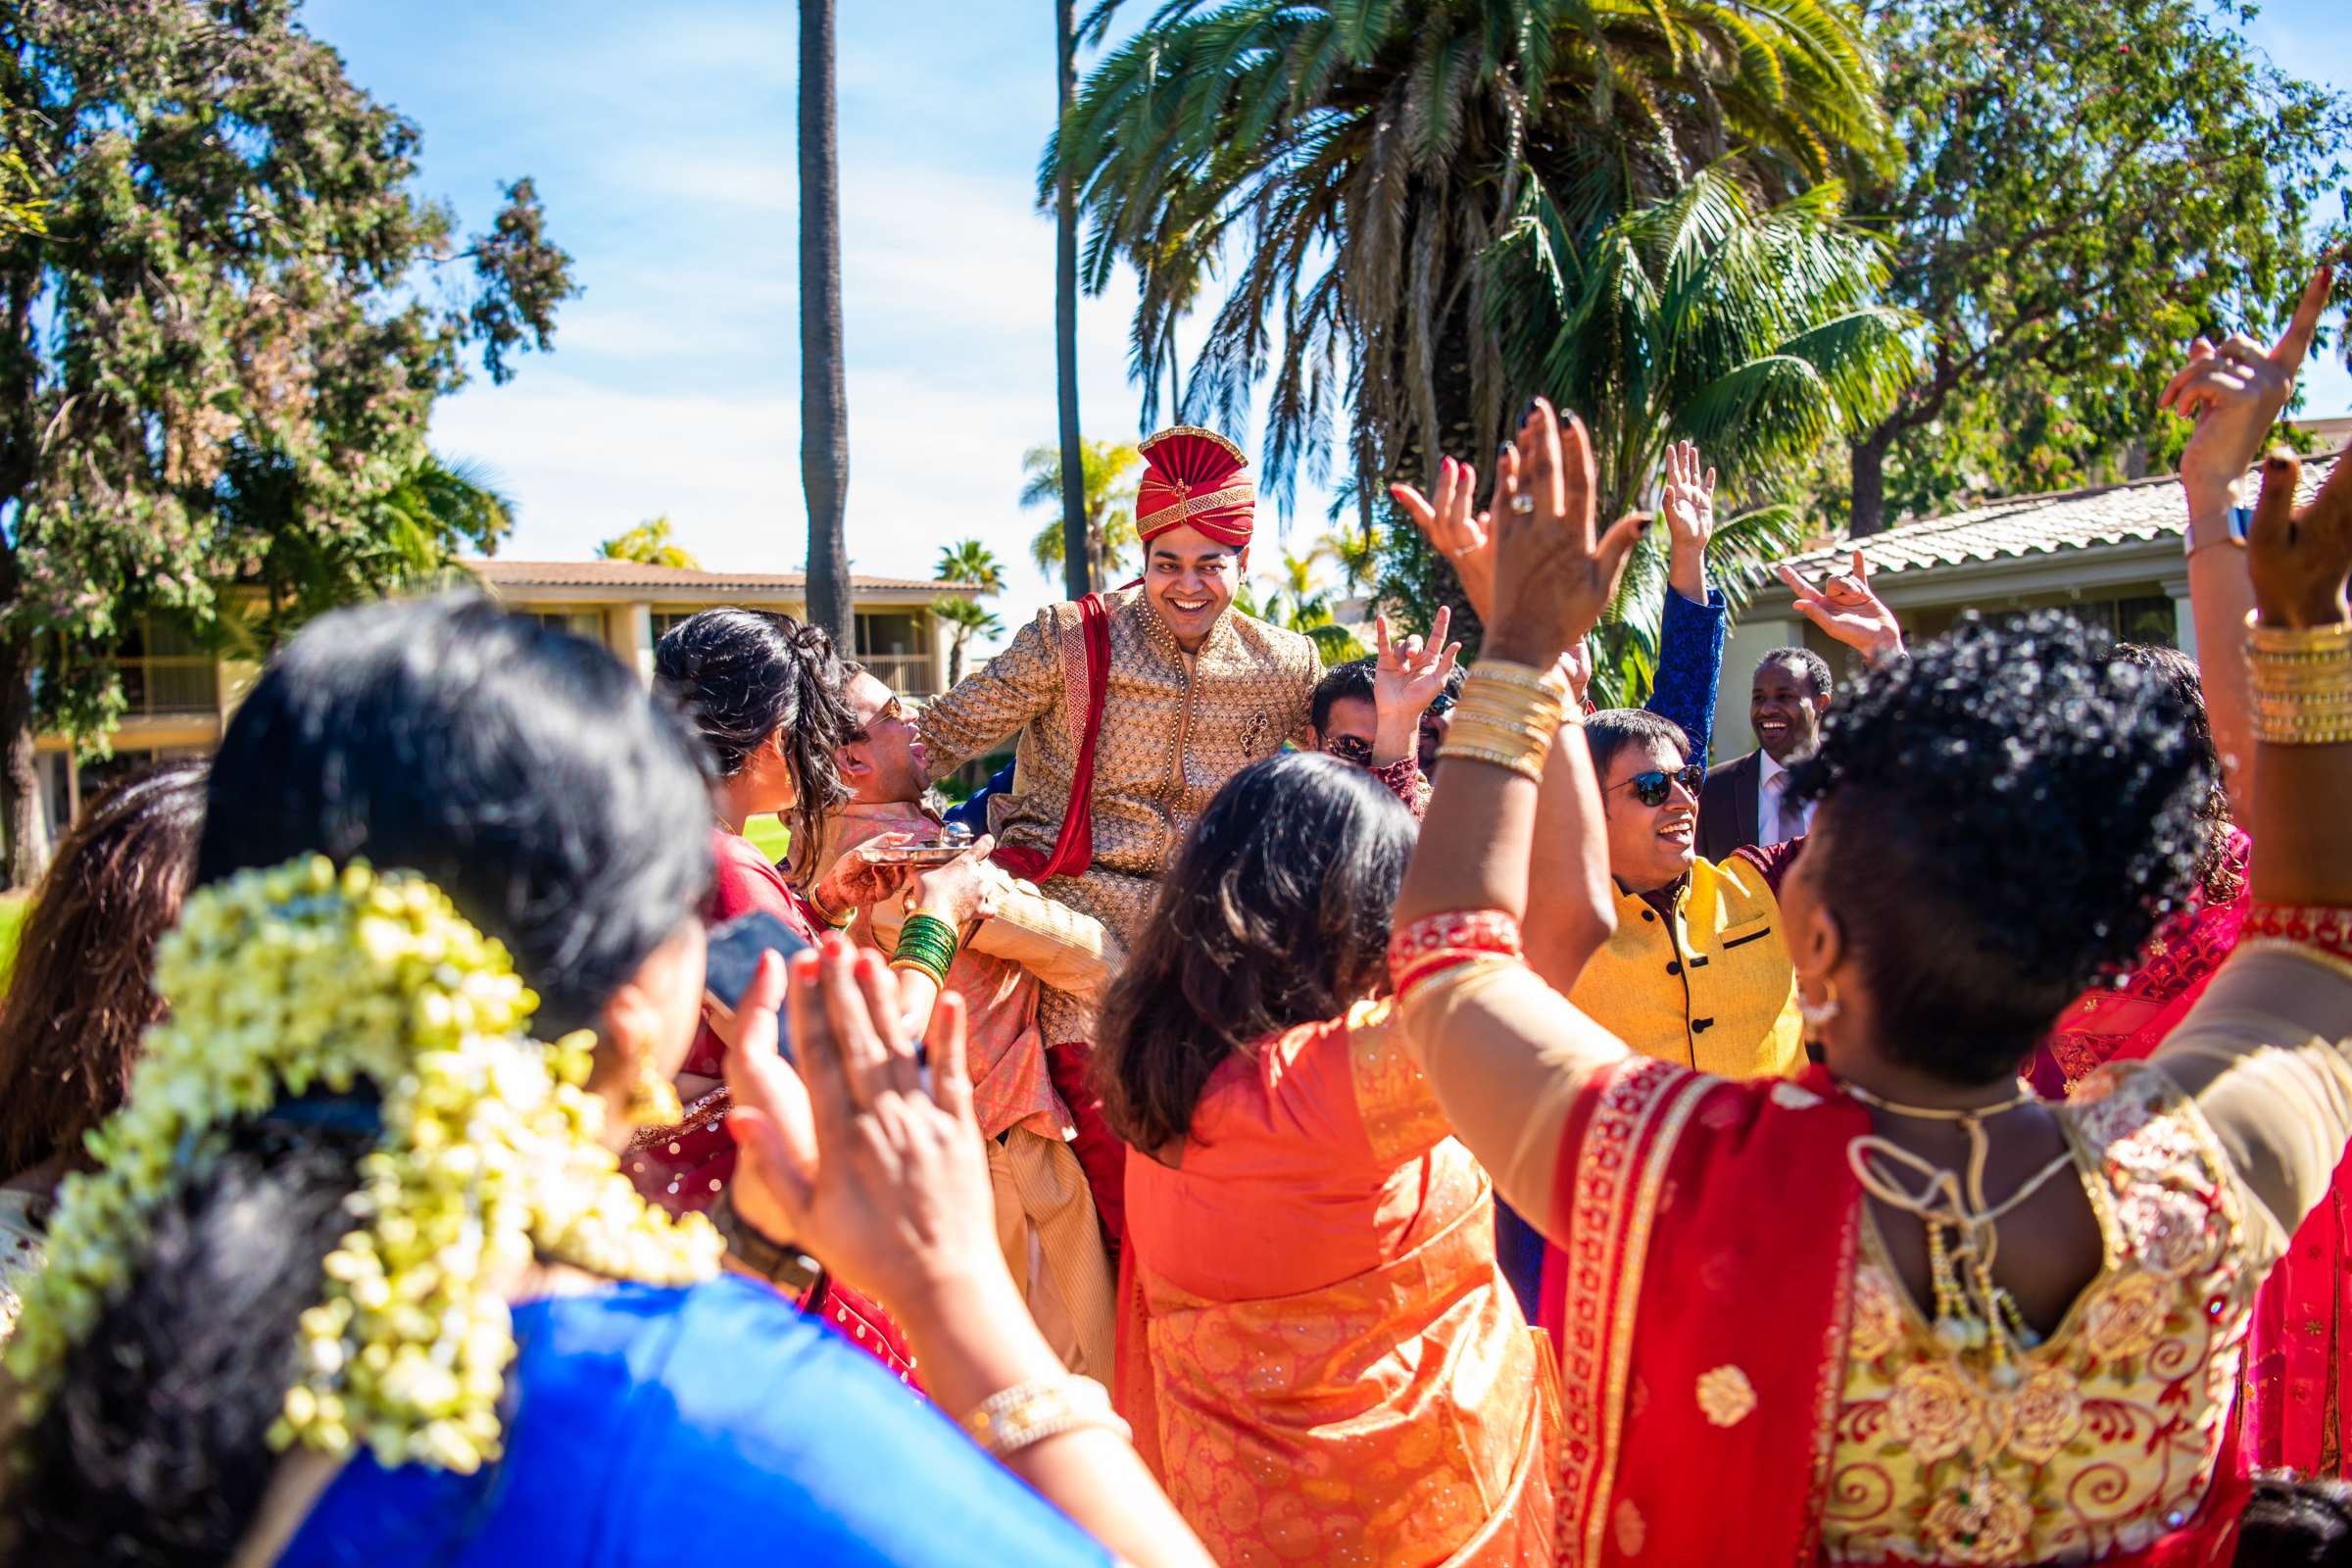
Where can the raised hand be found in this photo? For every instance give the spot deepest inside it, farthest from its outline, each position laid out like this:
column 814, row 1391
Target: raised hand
column 1464, row 539
column 1846, row 608
column 2234, row 393
column 2298, row 558
column 856, row 1159
column 1409, row 674
column 1554, row 577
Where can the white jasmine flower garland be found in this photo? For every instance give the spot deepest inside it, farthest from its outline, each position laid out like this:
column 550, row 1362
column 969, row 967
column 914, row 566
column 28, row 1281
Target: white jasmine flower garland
column 301, row 979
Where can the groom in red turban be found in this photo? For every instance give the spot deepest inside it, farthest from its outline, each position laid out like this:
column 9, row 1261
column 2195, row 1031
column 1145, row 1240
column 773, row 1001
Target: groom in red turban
column 1132, row 708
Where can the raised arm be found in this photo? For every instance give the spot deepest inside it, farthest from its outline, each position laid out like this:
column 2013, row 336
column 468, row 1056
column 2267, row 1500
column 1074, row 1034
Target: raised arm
column 2233, row 393
column 1691, row 629
column 994, row 701
column 1503, row 1051
column 2264, row 1049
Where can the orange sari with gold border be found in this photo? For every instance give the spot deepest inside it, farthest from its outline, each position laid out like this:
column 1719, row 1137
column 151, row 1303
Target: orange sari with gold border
column 1321, row 1360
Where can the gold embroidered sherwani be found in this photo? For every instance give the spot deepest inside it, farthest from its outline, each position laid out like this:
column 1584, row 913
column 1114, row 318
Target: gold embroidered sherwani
column 1175, row 727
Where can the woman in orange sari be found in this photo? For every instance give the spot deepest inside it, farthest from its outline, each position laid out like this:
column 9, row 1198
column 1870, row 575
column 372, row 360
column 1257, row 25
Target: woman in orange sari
column 1319, row 1357
column 1899, row 1312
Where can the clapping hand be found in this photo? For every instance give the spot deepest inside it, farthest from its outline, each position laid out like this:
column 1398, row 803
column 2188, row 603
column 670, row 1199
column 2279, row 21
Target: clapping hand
column 856, row 1159
column 2234, row 393
column 1848, row 610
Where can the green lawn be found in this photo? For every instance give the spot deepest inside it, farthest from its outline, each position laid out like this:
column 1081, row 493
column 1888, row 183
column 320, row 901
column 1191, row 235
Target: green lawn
column 12, row 915
column 767, row 833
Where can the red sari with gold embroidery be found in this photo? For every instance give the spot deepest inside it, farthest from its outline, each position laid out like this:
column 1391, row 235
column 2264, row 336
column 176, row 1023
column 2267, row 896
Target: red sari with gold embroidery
column 1703, row 1320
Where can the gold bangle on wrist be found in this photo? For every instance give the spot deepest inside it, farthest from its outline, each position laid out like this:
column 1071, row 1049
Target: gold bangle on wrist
column 1518, row 762
column 2299, row 682
column 1030, row 1412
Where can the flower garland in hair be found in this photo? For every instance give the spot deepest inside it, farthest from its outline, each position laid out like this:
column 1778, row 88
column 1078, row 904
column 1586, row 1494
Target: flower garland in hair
column 301, row 980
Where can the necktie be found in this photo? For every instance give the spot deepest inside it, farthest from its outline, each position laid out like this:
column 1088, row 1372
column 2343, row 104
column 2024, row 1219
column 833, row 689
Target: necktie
column 1774, row 830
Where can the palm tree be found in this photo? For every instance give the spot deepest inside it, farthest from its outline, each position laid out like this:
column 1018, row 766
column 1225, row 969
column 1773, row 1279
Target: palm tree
column 1363, row 156
column 1751, row 331
column 1109, row 497
column 967, row 619
column 824, row 398
column 649, row 544
column 970, row 561
column 1074, row 530
column 1355, row 550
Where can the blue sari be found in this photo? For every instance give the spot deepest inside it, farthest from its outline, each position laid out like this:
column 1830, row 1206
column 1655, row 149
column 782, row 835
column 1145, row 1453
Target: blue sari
column 709, row 1425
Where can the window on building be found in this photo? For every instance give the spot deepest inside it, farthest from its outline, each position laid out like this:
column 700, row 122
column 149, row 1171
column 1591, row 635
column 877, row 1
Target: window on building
column 167, row 672
column 896, row 645
column 664, row 620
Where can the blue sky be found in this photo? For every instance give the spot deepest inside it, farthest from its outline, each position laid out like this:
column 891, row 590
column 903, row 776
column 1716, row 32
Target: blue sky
column 662, row 138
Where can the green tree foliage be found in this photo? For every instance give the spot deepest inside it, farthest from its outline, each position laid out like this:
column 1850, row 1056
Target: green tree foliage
column 1299, row 603
column 651, row 544
column 413, row 533
column 1110, row 488
column 225, row 293
column 1753, row 331
column 2086, row 185
column 966, row 619
column 1358, row 158
column 970, row 561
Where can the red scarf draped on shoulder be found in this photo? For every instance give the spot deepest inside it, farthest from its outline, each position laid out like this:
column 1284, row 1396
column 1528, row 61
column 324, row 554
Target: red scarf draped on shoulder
column 1699, row 1295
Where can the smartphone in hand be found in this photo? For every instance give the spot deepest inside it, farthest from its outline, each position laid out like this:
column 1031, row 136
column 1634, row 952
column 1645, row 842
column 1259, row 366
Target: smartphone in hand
column 734, row 953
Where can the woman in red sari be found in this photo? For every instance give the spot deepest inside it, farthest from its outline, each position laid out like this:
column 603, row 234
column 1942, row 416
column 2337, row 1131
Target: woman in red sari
column 764, row 691
column 1318, row 1358
column 1898, row 1311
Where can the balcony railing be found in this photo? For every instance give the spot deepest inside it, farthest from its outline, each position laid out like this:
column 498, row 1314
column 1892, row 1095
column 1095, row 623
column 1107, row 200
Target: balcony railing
column 171, row 687
column 907, row 674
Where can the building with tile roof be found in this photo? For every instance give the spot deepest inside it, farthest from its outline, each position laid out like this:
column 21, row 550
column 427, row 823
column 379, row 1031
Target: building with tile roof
column 179, row 693
column 2110, row 554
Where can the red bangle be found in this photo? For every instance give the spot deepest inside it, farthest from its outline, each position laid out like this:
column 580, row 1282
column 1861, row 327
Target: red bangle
column 2327, row 927
column 1440, row 942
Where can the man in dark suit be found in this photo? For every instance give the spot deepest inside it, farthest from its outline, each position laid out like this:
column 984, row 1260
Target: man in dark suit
column 1741, row 801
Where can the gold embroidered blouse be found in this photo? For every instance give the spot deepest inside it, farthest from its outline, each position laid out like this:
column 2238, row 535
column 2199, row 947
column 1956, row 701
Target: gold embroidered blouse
column 1175, row 727
column 2107, row 1439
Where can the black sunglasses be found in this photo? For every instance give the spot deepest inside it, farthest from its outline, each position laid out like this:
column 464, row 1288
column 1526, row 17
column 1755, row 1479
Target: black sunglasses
column 1652, row 788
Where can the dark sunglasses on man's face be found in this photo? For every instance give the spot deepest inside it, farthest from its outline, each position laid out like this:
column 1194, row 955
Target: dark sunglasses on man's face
column 1349, row 749
column 888, row 710
column 1653, row 787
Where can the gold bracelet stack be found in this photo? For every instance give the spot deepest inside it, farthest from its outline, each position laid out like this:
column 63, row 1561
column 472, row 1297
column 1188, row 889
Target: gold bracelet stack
column 1030, row 1412
column 2300, row 679
column 1508, row 715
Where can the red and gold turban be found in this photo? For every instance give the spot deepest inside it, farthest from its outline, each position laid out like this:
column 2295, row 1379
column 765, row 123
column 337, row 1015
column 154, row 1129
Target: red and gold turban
column 1194, row 476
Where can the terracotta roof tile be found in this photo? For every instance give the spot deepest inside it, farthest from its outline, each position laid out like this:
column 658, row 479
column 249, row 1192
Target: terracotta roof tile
column 2044, row 524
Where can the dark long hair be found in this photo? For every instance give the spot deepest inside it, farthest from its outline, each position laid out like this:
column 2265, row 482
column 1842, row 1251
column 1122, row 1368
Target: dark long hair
column 78, row 998
column 1276, row 914
column 744, row 675
column 564, row 811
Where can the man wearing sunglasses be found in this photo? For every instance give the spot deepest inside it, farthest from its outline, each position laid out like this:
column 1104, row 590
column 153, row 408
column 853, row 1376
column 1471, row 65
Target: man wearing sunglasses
column 1696, row 971
column 1376, row 712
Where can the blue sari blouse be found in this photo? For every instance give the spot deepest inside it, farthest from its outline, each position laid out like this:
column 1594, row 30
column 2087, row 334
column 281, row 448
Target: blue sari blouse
column 688, row 1426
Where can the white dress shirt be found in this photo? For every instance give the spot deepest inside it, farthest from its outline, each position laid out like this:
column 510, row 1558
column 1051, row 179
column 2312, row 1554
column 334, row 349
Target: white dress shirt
column 1775, row 821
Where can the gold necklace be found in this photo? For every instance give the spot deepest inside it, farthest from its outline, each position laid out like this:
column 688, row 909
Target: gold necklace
column 1972, row 1312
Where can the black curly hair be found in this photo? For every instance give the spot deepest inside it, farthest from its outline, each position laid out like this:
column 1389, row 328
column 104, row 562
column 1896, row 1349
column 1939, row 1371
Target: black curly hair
column 2008, row 813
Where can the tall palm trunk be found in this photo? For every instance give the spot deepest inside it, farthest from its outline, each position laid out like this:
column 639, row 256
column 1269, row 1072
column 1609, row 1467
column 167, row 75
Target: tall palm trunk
column 1081, row 571
column 824, row 400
